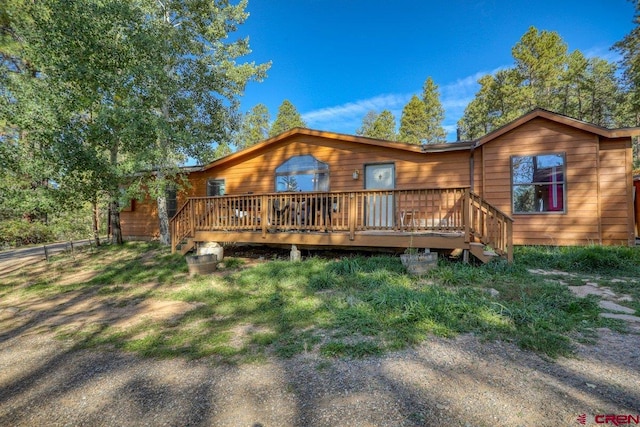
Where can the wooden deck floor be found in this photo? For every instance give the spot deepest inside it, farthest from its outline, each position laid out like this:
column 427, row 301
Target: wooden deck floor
column 362, row 239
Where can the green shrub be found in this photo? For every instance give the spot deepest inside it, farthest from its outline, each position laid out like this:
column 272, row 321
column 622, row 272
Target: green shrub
column 584, row 259
column 20, row 232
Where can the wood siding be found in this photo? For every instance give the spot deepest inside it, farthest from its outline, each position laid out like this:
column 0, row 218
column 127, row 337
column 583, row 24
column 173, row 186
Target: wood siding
column 616, row 192
column 141, row 222
column 586, row 196
column 255, row 173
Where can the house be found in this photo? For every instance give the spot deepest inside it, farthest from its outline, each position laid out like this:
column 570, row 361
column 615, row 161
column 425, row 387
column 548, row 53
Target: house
column 543, row 179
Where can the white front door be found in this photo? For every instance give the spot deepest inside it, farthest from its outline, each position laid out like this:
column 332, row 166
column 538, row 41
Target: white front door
column 380, row 206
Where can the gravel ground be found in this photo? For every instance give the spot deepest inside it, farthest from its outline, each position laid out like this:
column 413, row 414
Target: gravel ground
column 455, row 382
column 461, row 381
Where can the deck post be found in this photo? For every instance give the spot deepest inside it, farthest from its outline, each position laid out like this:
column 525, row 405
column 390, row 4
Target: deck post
column 353, row 206
column 192, row 218
column 264, row 215
column 172, row 232
column 466, row 215
column 509, row 241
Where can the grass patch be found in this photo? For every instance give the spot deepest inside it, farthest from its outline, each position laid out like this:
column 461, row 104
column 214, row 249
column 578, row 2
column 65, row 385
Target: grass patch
column 353, row 307
column 137, row 267
column 602, row 260
column 231, row 263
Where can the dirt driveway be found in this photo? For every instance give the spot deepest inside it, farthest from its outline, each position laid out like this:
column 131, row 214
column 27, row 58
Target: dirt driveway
column 455, row 382
column 14, row 259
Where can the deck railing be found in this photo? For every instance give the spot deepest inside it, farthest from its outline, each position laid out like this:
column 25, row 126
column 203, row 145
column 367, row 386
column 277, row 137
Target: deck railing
column 452, row 210
column 490, row 226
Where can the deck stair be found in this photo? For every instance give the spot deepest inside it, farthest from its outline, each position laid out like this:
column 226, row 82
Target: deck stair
column 186, row 246
column 480, row 251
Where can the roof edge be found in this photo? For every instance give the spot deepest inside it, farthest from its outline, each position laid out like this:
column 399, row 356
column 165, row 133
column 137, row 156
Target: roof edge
column 342, row 137
column 558, row 118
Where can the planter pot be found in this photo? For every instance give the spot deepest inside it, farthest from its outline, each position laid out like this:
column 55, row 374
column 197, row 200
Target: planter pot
column 202, row 264
column 418, row 264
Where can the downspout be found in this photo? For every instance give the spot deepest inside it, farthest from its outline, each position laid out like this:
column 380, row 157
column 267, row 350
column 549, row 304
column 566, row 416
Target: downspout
column 471, row 159
column 472, row 166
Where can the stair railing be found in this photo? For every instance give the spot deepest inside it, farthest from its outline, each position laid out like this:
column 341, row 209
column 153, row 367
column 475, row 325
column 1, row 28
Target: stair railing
column 489, row 225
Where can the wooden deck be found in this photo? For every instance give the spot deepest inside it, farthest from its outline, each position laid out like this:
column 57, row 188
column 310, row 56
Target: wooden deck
column 453, row 218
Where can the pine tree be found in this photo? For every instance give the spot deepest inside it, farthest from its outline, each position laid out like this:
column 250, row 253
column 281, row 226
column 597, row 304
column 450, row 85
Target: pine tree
column 384, row 127
column 413, row 124
column 629, row 48
column 628, row 111
column 572, row 102
column 288, row 118
column 367, row 124
column 545, row 76
column 254, row 127
column 602, row 92
column 379, row 126
column 435, row 113
column 540, row 59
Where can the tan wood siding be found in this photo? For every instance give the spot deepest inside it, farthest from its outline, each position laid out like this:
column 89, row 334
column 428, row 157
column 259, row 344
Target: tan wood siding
column 579, row 225
column 142, row 221
column 478, row 182
column 616, row 197
column 256, row 172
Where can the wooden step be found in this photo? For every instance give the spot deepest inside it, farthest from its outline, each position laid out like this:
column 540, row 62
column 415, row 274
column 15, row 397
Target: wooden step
column 478, row 250
column 186, row 246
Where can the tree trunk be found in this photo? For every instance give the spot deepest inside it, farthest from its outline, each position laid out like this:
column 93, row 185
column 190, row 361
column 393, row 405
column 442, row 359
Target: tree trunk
column 96, row 223
column 116, row 231
column 580, row 115
column 163, row 217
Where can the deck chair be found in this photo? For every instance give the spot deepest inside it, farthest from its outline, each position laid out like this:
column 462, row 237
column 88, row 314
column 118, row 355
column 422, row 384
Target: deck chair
column 280, row 212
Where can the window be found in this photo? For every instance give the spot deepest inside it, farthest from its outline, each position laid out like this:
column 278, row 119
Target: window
column 172, row 202
column 215, row 187
column 302, row 173
column 538, row 183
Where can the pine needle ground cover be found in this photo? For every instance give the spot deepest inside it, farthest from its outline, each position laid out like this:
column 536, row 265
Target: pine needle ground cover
column 139, row 298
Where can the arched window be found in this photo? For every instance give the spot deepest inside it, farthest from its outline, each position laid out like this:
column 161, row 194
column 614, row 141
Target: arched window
column 302, row 173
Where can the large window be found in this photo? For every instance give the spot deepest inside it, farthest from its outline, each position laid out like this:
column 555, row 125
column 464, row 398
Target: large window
column 538, row 183
column 215, row 187
column 302, row 173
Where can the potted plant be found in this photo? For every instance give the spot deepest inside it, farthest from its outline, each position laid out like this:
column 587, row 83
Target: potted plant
column 201, row 264
column 418, row 263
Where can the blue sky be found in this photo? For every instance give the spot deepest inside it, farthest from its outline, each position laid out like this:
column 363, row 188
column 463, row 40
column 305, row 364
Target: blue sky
column 335, row 60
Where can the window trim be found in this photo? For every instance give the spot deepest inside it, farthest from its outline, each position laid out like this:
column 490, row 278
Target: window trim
column 326, row 172
column 364, row 172
column 512, row 185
